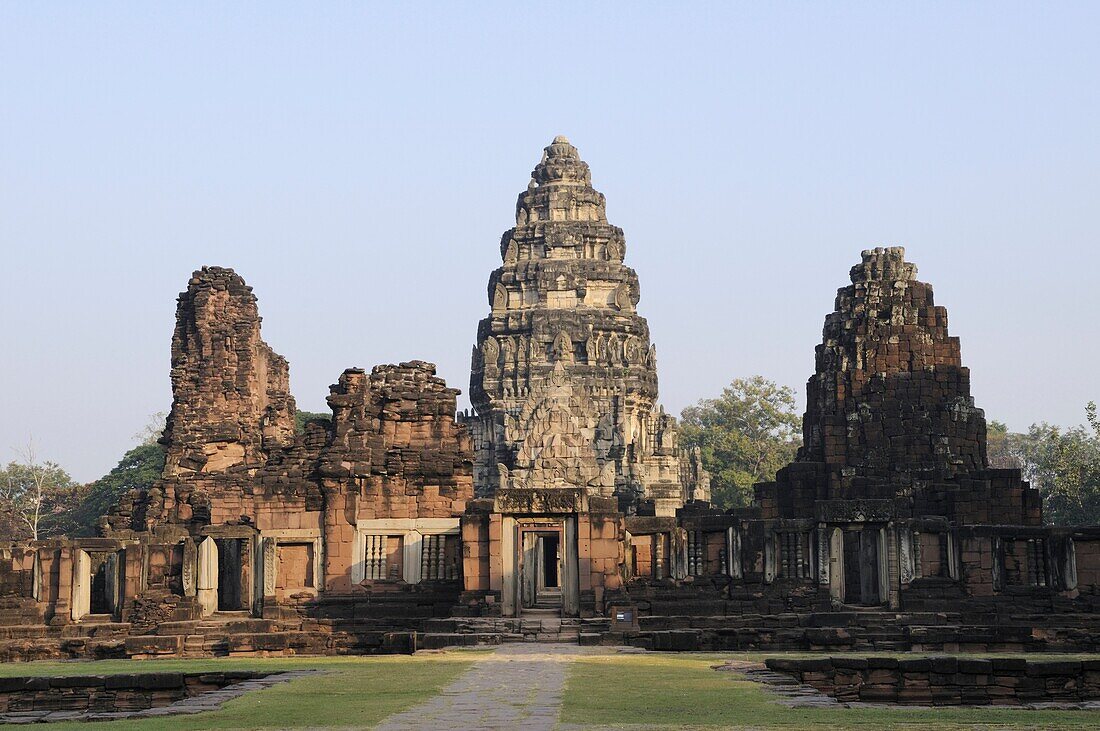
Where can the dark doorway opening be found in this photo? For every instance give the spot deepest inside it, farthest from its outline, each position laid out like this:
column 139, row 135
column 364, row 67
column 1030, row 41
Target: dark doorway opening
column 540, row 569
column 550, row 561
column 103, row 568
column 861, row 567
column 230, row 552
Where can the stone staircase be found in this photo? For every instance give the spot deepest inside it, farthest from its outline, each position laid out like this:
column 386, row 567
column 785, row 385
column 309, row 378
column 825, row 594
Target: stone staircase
column 219, row 635
column 536, row 625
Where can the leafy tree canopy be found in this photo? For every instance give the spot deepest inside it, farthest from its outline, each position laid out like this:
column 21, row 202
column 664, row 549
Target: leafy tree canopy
column 301, row 417
column 137, row 470
column 745, row 435
column 1064, row 463
column 34, row 497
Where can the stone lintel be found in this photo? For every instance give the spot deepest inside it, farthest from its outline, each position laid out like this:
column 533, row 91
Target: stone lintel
column 854, row 511
column 638, row 525
column 533, row 500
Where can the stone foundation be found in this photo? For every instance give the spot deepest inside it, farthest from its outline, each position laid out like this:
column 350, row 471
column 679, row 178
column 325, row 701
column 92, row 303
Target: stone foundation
column 947, row 681
column 108, row 693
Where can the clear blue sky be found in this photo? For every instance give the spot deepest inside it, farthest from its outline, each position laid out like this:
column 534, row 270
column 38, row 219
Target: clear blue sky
column 358, row 163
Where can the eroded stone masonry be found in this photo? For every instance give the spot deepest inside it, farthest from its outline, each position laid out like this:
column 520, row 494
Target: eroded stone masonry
column 562, row 507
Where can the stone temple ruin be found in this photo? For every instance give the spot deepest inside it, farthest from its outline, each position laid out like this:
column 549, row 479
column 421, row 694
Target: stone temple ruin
column 562, row 507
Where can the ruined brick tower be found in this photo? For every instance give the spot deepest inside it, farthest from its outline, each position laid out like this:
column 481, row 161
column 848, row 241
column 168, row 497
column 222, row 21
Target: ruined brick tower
column 231, row 392
column 889, row 414
column 890, row 404
column 564, row 378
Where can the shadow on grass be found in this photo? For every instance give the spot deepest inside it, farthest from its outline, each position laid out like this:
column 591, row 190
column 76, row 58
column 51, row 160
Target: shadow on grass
column 354, row 691
column 682, row 691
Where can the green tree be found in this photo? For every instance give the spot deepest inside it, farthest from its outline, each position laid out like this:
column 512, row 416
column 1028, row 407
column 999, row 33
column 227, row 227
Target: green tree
column 34, row 497
column 301, row 417
column 137, row 470
column 1063, row 463
column 744, row 436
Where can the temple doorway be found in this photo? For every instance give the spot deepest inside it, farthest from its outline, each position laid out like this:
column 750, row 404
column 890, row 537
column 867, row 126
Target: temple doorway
column 97, row 584
column 550, row 560
column 540, row 570
column 103, row 597
column 539, row 566
column 862, row 583
column 231, row 553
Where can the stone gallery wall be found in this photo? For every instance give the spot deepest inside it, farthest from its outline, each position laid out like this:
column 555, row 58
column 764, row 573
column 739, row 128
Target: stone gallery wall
column 32, row 695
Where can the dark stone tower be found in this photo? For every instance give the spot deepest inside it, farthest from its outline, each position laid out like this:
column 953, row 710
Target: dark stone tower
column 889, row 415
column 889, row 408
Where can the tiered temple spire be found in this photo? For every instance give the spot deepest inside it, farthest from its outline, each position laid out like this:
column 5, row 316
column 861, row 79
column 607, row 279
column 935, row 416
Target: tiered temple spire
column 564, row 379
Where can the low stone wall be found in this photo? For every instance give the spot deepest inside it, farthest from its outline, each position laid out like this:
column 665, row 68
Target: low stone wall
column 110, row 693
column 947, row 681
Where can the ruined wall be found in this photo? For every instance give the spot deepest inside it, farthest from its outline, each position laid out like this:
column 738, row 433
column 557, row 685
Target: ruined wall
column 236, row 471
column 947, row 681
column 395, row 452
column 231, row 401
column 396, row 445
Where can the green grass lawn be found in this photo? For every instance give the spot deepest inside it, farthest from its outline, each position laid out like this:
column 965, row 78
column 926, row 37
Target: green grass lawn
column 682, row 691
column 651, row 690
column 354, row 692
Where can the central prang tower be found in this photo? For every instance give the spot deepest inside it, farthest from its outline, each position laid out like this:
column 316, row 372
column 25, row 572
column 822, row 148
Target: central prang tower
column 564, row 379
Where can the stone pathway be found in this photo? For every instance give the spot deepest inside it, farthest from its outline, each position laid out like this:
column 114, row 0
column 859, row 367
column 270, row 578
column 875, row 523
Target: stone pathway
column 517, row 686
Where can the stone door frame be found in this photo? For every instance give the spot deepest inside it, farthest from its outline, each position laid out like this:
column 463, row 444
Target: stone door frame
column 834, row 576
column 267, row 573
column 512, row 531
column 82, row 579
column 537, row 536
column 207, row 559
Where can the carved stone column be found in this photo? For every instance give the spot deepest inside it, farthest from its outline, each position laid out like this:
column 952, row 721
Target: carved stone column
column 81, row 583
column 207, row 582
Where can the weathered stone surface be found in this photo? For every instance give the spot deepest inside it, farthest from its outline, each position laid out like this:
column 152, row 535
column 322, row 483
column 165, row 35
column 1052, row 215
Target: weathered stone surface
column 564, row 377
column 972, row 683
column 394, row 432
column 363, row 533
column 890, row 403
column 231, row 392
column 890, row 426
